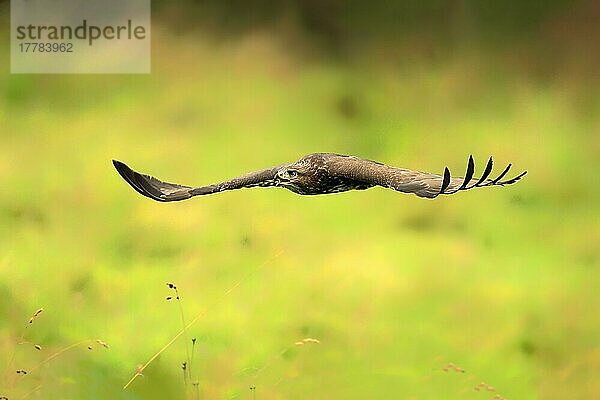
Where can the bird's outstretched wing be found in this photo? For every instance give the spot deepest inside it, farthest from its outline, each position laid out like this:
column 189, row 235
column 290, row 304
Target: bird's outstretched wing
column 163, row 191
column 420, row 183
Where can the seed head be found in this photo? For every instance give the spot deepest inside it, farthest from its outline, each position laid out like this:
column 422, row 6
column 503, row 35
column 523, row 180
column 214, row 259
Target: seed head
column 35, row 315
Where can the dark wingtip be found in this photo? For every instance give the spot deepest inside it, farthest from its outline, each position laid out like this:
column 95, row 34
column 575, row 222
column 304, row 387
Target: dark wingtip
column 137, row 181
column 482, row 181
column 446, row 181
column 123, row 170
column 486, row 173
column 118, row 164
column 469, row 173
column 502, row 175
column 513, row 180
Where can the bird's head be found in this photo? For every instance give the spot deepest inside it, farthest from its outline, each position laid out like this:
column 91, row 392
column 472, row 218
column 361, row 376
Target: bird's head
column 295, row 177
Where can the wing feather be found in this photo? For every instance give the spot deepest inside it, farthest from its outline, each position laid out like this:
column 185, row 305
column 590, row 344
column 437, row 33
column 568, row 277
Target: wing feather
column 158, row 190
column 422, row 184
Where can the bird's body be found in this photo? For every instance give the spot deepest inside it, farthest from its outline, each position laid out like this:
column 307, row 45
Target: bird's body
column 318, row 173
column 322, row 173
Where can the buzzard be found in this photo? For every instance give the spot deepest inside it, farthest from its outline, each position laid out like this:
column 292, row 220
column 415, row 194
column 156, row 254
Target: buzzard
column 323, row 173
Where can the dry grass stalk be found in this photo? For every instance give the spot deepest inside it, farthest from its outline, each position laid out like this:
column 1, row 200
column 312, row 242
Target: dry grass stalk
column 35, row 315
column 139, row 371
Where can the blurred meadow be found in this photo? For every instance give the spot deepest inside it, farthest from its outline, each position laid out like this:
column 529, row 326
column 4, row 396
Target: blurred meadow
column 504, row 283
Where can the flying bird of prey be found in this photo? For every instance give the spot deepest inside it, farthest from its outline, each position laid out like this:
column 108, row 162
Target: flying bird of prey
column 322, row 173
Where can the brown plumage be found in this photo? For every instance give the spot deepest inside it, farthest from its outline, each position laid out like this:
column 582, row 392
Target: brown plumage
column 322, row 173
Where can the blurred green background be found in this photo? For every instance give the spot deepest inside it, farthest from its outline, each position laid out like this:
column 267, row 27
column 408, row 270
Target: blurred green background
column 504, row 283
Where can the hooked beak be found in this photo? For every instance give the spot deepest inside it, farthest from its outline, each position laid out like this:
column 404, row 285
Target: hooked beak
column 277, row 179
column 281, row 178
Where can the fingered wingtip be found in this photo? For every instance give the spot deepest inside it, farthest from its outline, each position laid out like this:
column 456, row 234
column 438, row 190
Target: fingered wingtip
column 502, row 175
column 469, row 173
column 482, row 181
column 513, row 180
column 446, row 181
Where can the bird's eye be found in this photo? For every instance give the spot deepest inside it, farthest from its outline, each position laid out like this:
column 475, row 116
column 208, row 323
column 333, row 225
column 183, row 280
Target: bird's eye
column 292, row 173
